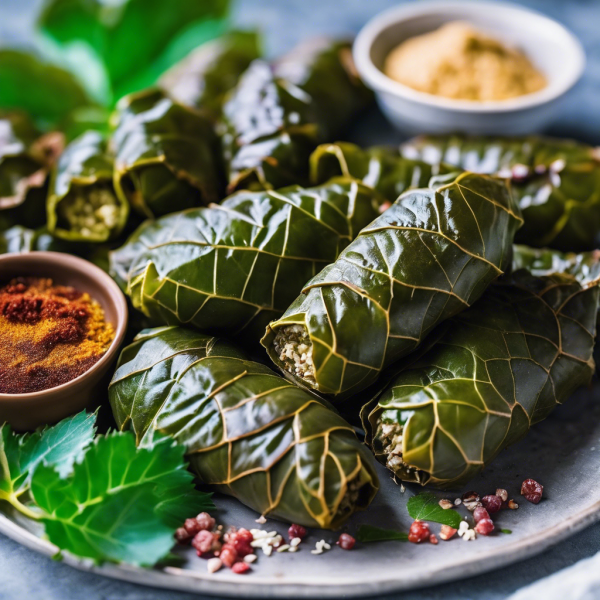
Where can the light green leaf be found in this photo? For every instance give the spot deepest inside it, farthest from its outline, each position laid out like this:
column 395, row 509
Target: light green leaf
column 44, row 90
column 59, row 446
column 120, row 503
column 425, row 507
column 135, row 40
column 369, row 533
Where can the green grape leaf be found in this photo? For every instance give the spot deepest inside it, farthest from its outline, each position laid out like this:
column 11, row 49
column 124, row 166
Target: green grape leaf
column 425, row 507
column 369, row 533
column 120, row 503
column 59, row 446
column 44, row 90
column 135, row 40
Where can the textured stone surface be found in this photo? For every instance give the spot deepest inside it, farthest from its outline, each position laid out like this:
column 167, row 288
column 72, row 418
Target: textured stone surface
column 26, row 574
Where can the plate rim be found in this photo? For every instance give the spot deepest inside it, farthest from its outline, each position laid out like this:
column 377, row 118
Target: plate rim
column 185, row 580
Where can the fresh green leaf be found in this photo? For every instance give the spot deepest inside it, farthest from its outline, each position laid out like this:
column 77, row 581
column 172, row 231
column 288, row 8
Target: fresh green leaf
column 505, row 530
column 120, row 503
column 45, row 91
column 135, row 40
column 369, row 533
column 425, row 507
column 59, row 446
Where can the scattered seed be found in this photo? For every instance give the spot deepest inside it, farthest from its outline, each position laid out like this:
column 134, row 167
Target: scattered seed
column 295, row 542
column 213, row 564
column 267, row 550
column 503, row 494
column 447, row 532
column 445, row 504
column 433, row 539
column 261, row 520
column 457, row 501
column 293, row 549
column 512, row 505
column 283, row 548
column 250, row 558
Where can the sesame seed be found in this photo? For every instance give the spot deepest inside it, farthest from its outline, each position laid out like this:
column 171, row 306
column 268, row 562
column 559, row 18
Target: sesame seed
column 283, row 548
column 261, row 520
column 295, row 541
column 250, row 558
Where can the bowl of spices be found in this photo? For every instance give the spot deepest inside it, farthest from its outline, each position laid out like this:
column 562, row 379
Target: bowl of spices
column 62, row 320
column 474, row 67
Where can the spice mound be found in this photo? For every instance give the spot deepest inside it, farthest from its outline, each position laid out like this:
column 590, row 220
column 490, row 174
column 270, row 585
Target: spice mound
column 49, row 334
column 457, row 61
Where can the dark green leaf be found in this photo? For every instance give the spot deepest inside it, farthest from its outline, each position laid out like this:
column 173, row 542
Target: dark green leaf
column 426, row 258
column 247, row 431
column 45, row 91
column 425, row 507
column 369, row 533
column 60, row 446
column 238, row 265
column 166, row 155
column 491, row 373
column 82, row 204
column 556, row 182
column 135, row 40
column 120, row 503
column 204, row 77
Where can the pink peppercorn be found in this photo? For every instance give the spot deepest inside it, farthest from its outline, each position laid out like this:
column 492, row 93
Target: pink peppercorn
column 182, row 536
column 241, row 540
column 480, row 513
column 296, row 531
column 492, row 503
column 228, row 555
column 205, row 521
column 240, row 568
column 418, row 532
column 485, row 527
column 532, row 490
column 192, row 526
column 433, row 539
column 206, row 541
column 346, row 541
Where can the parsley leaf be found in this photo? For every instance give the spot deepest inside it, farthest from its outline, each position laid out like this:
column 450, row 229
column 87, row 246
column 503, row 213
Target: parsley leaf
column 60, row 445
column 369, row 533
column 120, row 503
column 425, row 507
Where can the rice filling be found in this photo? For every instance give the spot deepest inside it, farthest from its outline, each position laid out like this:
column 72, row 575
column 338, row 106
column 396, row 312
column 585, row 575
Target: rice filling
column 295, row 351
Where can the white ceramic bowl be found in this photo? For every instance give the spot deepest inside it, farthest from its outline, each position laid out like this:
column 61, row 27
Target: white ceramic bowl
column 551, row 48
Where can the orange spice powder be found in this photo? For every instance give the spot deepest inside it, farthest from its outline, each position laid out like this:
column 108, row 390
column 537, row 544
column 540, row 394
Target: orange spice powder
column 49, row 335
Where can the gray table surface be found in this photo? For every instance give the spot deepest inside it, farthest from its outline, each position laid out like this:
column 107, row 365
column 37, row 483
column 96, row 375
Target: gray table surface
column 285, row 22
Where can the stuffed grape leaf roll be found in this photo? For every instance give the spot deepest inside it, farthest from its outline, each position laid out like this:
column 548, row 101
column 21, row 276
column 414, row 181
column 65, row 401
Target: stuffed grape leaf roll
column 490, row 373
column 233, row 267
column 247, row 431
column 426, row 258
column 556, row 182
column 166, row 155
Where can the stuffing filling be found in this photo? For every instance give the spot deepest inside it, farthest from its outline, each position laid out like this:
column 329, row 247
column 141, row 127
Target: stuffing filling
column 352, row 498
column 390, row 435
column 94, row 213
column 295, row 350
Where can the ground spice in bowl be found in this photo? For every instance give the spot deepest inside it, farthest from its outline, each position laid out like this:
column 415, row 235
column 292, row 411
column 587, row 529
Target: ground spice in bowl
column 49, row 335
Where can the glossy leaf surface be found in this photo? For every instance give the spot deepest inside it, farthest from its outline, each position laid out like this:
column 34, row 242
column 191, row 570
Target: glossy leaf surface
column 166, row 155
column 383, row 169
column 233, row 267
column 277, row 116
column 429, row 256
column 120, row 503
column 247, row 431
column 204, row 77
column 492, row 372
column 556, row 182
column 82, row 204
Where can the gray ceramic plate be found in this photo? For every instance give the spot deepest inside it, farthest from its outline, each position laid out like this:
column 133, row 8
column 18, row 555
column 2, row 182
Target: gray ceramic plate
column 563, row 453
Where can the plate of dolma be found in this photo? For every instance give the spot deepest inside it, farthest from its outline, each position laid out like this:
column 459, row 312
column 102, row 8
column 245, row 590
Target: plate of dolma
column 328, row 330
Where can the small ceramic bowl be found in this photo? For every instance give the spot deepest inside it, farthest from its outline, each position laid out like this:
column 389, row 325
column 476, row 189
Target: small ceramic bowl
column 28, row 411
column 551, row 48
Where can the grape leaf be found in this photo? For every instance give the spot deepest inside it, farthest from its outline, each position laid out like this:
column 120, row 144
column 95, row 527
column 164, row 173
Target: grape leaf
column 59, row 446
column 369, row 533
column 120, row 503
column 425, row 507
